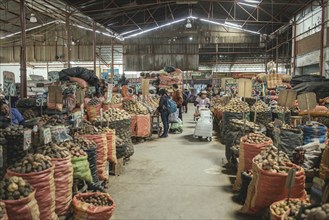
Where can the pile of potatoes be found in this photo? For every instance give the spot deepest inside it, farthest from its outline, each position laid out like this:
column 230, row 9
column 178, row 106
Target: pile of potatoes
column 52, row 150
column 293, row 205
column 280, row 109
column 74, row 149
column 272, row 160
column 317, row 213
column 237, row 106
column 134, row 107
column 87, row 128
column 260, row 106
column 2, row 210
column 116, row 99
column 97, row 200
column 255, row 138
column 113, row 114
column 51, row 120
column 13, row 130
column 284, row 126
column 32, row 163
column 84, row 143
column 249, row 124
column 15, row 188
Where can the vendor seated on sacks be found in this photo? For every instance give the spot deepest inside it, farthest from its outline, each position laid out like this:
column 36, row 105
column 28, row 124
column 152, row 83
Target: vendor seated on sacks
column 202, row 100
column 16, row 116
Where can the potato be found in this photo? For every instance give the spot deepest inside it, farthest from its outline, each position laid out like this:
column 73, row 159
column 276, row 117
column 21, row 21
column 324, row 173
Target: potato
column 12, row 191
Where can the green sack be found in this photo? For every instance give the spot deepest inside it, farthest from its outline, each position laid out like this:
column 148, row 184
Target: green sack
column 81, row 169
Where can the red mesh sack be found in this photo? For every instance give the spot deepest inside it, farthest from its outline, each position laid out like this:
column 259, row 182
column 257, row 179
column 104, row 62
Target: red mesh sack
column 268, row 187
column 133, row 126
column 143, row 125
column 4, row 215
column 93, row 111
column 63, row 176
column 101, row 142
column 85, row 211
column 246, row 153
column 111, row 146
column 22, row 209
column 44, row 184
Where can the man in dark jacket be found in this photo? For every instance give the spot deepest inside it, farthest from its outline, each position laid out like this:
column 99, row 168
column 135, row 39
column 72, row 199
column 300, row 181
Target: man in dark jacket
column 163, row 110
column 177, row 96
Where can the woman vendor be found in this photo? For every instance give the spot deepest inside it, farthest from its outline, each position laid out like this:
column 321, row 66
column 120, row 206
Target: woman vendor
column 202, row 100
column 16, row 116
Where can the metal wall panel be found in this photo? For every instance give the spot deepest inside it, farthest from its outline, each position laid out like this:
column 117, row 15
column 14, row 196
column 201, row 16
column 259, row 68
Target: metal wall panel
column 308, row 44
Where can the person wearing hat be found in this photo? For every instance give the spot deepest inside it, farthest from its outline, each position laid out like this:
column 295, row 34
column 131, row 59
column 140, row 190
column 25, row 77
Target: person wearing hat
column 164, row 113
column 5, row 111
column 202, row 100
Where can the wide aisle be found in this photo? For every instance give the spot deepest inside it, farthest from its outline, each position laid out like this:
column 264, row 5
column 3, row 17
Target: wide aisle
column 175, row 178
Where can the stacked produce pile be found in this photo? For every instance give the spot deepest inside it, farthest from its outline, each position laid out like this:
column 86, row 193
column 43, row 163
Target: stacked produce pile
column 151, row 103
column 116, row 99
column 32, row 163
column 273, row 160
column 93, row 108
column 236, row 106
column 238, row 124
column 53, row 120
column 320, row 212
column 251, row 101
column 74, row 148
column 113, row 115
column 94, row 102
column 3, row 214
column 288, row 209
column 97, row 200
column 52, row 150
column 134, row 107
column 278, row 111
column 263, row 112
column 15, row 188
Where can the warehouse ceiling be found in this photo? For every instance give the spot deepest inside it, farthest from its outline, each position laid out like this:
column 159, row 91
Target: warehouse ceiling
column 127, row 17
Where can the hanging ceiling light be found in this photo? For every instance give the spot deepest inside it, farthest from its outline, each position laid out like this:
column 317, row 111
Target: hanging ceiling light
column 33, row 18
column 188, row 24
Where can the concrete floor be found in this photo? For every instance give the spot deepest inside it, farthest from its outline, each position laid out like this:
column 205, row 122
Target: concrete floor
column 175, row 178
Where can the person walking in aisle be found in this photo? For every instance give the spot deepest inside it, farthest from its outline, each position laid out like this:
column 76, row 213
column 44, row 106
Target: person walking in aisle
column 186, row 97
column 177, row 96
column 164, row 112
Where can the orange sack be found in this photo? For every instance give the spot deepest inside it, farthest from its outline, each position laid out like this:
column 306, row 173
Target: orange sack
column 63, row 176
column 4, row 213
column 23, row 209
column 133, row 125
column 93, row 111
column 85, row 211
column 44, row 184
column 101, row 142
column 247, row 152
column 111, row 146
column 268, row 187
column 143, row 126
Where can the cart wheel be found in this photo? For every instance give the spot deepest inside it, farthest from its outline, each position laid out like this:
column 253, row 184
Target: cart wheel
column 209, row 139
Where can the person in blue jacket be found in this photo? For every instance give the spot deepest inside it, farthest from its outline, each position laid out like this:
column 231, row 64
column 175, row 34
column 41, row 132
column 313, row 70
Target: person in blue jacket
column 16, row 116
column 164, row 112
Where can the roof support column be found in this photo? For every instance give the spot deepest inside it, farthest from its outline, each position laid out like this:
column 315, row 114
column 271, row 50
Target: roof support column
column 277, row 53
column 68, row 40
column 321, row 61
column 294, row 64
column 94, row 46
column 23, row 88
column 112, row 60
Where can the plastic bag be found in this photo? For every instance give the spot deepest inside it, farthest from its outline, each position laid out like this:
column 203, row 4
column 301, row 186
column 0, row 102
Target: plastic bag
column 85, row 211
column 246, row 153
column 289, row 140
column 176, row 127
column 23, row 209
column 101, row 142
column 315, row 132
column 63, row 176
column 227, row 116
column 111, row 146
column 173, row 117
column 312, row 155
column 44, row 184
column 268, row 187
column 81, row 168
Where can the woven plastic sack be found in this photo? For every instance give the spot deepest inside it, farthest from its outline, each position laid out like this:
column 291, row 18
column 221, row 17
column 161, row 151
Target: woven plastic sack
column 227, row 116
column 85, row 211
column 22, row 209
column 173, row 117
column 324, row 165
column 101, row 142
column 92, row 159
column 268, row 187
column 143, row 128
column 44, row 184
column 111, row 146
column 133, row 126
column 81, row 168
column 314, row 132
column 63, row 176
column 93, row 111
column 246, row 153
column 107, row 106
column 82, row 83
column 4, row 215
column 274, row 215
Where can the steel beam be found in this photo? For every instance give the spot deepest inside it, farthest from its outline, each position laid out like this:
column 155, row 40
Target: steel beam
column 321, row 63
column 295, row 45
column 23, row 92
column 94, row 46
column 68, row 39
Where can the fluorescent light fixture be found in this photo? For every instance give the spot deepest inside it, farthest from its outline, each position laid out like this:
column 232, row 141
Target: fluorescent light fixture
column 128, row 32
column 188, row 24
column 182, row 2
column 229, row 26
column 232, row 24
column 253, row 1
column 155, row 28
column 33, row 19
column 191, row 38
column 249, row 5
